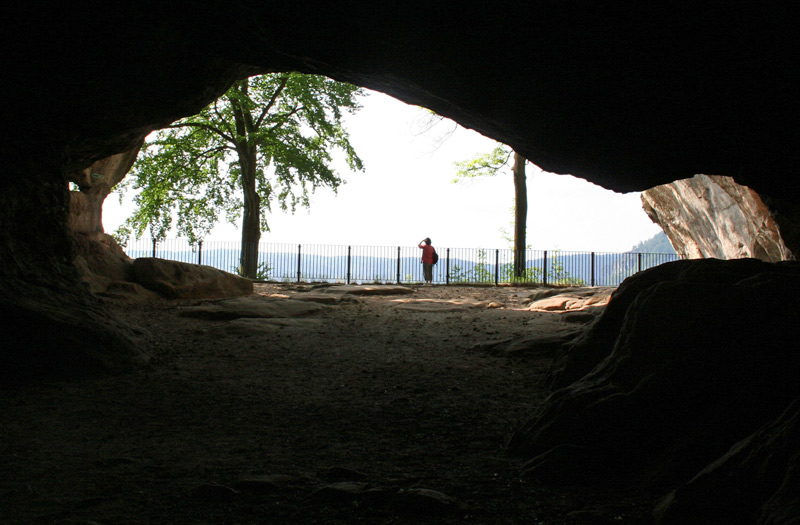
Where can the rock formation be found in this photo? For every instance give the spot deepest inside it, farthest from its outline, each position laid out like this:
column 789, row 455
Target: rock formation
column 628, row 96
column 713, row 216
column 180, row 280
column 662, row 386
column 756, row 481
column 95, row 183
column 106, row 269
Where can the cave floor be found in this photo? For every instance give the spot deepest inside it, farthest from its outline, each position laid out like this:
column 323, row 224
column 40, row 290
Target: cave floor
column 377, row 409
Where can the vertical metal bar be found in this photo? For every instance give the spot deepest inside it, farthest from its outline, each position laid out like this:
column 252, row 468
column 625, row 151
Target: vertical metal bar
column 496, row 267
column 200, row 252
column 298, row 262
column 447, row 268
column 154, row 247
column 592, row 279
column 639, row 262
column 398, row 265
column 348, row 265
column 544, row 269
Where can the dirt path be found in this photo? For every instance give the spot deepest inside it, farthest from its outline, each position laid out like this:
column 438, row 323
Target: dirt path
column 376, row 409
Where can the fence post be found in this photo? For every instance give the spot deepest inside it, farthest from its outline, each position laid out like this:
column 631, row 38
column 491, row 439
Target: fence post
column 447, row 268
column 592, row 279
column 154, row 247
column 348, row 265
column 398, row 265
column 638, row 262
column 298, row 262
column 200, row 252
column 544, row 269
column 496, row 267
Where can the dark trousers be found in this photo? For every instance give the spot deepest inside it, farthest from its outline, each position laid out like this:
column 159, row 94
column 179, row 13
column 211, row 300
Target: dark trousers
column 427, row 271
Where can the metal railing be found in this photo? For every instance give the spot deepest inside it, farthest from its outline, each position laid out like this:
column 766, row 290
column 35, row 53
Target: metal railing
column 401, row 264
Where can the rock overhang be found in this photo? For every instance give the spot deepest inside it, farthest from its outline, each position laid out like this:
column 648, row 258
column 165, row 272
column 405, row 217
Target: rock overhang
column 627, row 97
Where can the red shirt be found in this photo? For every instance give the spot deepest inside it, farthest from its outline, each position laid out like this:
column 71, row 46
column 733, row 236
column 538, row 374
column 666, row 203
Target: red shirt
column 427, row 253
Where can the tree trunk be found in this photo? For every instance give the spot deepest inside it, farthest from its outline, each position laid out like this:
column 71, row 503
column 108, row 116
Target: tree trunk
column 251, row 218
column 520, row 214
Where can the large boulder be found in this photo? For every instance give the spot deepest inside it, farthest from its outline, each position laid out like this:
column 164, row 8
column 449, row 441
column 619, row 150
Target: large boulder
column 81, row 338
column 108, row 271
column 756, row 481
column 180, row 280
column 687, row 359
column 101, row 261
column 713, row 216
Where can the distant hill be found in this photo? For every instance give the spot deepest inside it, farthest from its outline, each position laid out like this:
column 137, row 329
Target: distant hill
column 658, row 243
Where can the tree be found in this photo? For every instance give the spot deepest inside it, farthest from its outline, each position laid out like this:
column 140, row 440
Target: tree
column 268, row 138
column 490, row 164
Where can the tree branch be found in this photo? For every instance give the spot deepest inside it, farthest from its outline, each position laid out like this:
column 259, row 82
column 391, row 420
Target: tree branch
column 275, row 95
column 222, row 120
column 209, row 152
column 202, row 125
column 283, row 118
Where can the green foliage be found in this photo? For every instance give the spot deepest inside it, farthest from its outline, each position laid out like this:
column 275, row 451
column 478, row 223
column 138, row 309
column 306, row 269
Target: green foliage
column 486, row 165
column 458, row 274
column 122, row 235
column 279, row 129
column 529, row 275
column 483, row 272
column 262, row 274
column 479, row 273
column 557, row 274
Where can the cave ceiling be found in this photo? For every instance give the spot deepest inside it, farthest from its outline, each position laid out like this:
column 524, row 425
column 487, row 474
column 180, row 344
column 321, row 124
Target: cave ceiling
column 628, row 96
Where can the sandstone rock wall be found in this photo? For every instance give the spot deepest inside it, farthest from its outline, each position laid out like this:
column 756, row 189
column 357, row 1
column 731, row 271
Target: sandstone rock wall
column 95, row 183
column 712, row 216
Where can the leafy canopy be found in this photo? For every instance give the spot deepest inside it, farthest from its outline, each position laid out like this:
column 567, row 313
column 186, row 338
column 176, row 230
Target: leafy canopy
column 484, row 165
column 279, row 129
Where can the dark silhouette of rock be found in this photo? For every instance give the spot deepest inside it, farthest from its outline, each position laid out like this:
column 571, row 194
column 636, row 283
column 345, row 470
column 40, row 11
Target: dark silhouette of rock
column 269, row 484
column 415, row 501
column 420, row 501
column 215, row 492
column 549, row 344
column 352, row 493
column 756, row 481
column 333, row 474
column 80, row 338
column 671, row 376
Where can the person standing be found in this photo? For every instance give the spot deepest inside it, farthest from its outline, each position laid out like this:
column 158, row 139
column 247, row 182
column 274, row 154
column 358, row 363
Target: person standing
column 428, row 261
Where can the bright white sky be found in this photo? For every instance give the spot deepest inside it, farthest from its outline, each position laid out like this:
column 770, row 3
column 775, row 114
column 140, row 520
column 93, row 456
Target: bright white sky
column 406, row 193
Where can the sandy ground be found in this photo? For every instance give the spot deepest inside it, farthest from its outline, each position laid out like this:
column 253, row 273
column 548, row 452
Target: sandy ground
column 373, row 409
